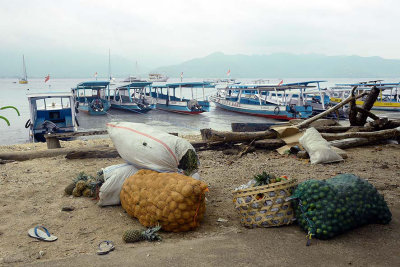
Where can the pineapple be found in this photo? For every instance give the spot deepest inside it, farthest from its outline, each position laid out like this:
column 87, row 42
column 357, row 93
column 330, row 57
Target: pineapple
column 150, row 234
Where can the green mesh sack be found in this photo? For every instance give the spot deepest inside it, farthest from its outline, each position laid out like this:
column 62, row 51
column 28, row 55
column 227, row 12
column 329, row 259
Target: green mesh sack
column 330, row 207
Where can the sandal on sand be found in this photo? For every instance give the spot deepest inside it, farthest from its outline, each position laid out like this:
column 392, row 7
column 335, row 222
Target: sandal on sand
column 38, row 233
column 106, row 248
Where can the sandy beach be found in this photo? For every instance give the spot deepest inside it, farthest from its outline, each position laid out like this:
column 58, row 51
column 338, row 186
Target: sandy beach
column 32, row 193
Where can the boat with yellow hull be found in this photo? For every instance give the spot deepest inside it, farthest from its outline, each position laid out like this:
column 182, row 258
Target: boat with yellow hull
column 388, row 99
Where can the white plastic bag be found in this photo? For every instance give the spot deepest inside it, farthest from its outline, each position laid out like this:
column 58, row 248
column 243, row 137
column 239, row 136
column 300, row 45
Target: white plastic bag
column 146, row 147
column 114, row 177
column 318, row 148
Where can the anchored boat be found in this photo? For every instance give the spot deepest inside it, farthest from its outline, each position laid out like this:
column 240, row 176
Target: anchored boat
column 170, row 97
column 132, row 97
column 280, row 101
column 51, row 113
column 90, row 97
column 388, row 99
column 24, row 79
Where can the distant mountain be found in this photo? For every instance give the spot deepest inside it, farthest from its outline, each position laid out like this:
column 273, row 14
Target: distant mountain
column 283, row 65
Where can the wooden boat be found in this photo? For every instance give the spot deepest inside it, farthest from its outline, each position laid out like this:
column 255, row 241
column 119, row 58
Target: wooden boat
column 270, row 101
column 90, row 97
column 24, row 79
column 51, row 113
column 132, row 97
column 388, row 99
column 168, row 99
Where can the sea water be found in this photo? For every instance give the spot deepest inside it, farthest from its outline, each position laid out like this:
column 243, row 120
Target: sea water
column 14, row 94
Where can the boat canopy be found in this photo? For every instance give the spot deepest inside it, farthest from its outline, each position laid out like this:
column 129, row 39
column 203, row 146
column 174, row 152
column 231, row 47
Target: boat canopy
column 49, row 95
column 304, row 83
column 188, row 84
column 378, row 85
column 135, row 85
column 93, row 85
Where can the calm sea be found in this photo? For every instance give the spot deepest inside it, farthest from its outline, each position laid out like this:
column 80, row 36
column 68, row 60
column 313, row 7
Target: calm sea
column 14, row 94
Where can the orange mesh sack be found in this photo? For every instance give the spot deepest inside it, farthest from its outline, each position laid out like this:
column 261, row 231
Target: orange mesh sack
column 173, row 200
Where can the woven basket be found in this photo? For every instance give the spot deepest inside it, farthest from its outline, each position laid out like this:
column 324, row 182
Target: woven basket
column 265, row 206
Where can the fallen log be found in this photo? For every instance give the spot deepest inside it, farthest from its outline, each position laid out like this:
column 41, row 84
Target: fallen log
column 378, row 135
column 350, row 142
column 253, row 127
column 307, row 122
column 28, row 155
column 213, row 135
column 109, row 152
column 269, row 143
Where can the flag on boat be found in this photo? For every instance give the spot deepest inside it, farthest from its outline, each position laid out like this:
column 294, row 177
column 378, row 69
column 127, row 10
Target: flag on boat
column 95, row 74
column 47, row 78
column 280, row 83
column 229, row 72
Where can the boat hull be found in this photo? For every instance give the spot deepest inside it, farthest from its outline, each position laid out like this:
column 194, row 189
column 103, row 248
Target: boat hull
column 23, row 82
column 378, row 105
column 132, row 108
column 178, row 109
column 270, row 111
column 84, row 107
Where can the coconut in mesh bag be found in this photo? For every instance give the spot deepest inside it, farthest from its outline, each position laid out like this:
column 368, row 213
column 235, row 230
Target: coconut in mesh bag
column 333, row 206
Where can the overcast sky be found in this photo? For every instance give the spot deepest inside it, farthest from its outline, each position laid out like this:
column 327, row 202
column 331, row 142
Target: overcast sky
column 170, row 31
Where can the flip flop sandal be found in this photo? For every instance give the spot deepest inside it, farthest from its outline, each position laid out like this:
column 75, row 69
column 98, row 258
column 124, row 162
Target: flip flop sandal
column 106, row 248
column 41, row 233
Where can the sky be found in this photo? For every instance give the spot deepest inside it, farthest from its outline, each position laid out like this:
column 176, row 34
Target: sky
column 166, row 32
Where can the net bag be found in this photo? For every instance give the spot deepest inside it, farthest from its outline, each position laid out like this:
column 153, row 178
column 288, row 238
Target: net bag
column 330, row 207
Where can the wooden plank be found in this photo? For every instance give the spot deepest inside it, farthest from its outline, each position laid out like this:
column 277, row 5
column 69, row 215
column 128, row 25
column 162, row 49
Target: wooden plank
column 213, row 135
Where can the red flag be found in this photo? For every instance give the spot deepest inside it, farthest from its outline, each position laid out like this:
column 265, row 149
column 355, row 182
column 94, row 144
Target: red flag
column 181, row 74
column 47, row 78
column 229, row 72
column 280, row 83
column 95, row 74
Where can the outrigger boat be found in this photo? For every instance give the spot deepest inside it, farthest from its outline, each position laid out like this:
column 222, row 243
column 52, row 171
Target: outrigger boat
column 132, row 97
column 51, row 113
column 157, row 77
column 270, row 101
column 388, row 99
column 90, row 97
column 167, row 99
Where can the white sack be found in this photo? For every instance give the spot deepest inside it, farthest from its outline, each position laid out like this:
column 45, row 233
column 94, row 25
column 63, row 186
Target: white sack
column 146, row 147
column 114, row 177
column 318, row 148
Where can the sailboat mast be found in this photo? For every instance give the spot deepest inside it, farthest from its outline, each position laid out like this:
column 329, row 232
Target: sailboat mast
column 23, row 67
column 109, row 64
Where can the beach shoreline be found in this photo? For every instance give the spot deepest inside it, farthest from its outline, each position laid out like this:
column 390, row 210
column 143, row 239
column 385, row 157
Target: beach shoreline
column 33, row 194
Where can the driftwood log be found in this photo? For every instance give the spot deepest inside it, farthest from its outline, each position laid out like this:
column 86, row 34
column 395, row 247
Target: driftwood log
column 307, row 122
column 213, row 135
column 358, row 116
column 378, row 135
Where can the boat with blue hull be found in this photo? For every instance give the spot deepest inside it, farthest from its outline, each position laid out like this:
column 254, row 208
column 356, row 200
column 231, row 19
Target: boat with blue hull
column 90, row 97
column 132, row 97
column 168, row 99
column 51, row 113
column 270, row 101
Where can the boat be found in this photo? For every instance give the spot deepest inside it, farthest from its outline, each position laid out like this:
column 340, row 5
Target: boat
column 51, row 113
column 133, row 79
column 167, row 99
column 90, row 97
column 388, row 99
column 24, row 79
column 157, row 77
column 270, row 101
column 132, row 97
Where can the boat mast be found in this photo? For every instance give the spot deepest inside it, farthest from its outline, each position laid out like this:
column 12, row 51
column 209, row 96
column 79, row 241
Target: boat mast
column 24, row 69
column 109, row 64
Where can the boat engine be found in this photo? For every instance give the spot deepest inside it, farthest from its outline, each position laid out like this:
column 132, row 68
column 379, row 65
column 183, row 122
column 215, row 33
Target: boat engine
column 97, row 105
column 193, row 105
column 49, row 127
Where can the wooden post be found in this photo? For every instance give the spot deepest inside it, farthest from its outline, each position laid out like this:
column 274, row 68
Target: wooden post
column 52, row 142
